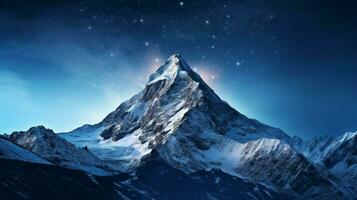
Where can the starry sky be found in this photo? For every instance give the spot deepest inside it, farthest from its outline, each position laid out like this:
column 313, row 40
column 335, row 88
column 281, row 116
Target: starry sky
column 289, row 64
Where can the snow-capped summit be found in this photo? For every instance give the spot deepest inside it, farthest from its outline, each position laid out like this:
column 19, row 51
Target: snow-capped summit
column 180, row 117
column 47, row 144
column 175, row 89
column 173, row 67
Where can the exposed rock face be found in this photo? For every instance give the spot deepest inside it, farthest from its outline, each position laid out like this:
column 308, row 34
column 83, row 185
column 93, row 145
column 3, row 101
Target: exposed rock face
column 337, row 155
column 316, row 148
column 50, row 146
column 273, row 162
column 342, row 161
column 346, row 151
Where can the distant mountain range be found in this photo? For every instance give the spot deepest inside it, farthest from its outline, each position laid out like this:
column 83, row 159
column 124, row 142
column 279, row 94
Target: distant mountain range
column 177, row 139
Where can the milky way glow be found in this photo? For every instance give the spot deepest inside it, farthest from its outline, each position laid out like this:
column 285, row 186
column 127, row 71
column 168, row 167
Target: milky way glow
column 209, row 76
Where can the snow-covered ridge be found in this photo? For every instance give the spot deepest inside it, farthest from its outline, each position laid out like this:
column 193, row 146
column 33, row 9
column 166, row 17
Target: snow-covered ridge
column 336, row 155
column 12, row 151
column 346, row 136
column 317, row 148
column 341, row 160
column 46, row 143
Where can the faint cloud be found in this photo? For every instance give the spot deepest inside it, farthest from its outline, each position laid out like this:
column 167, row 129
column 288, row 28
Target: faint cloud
column 110, row 75
column 14, row 92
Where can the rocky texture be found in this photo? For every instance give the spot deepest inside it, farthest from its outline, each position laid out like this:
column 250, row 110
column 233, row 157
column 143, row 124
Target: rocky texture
column 342, row 162
column 50, row 146
column 273, row 162
column 316, row 148
column 178, row 116
column 336, row 155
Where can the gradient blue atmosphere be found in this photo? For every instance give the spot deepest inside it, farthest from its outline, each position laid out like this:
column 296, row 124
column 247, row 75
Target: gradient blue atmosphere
column 289, row 64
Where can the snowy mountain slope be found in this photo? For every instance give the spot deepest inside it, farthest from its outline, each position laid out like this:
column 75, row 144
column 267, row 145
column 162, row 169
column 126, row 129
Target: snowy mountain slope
column 345, row 151
column 46, row 143
column 342, row 161
column 336, row 155
column 268, row 161
column 86, row 135
column 12, row 151
column 274, row 162
column 192, row 129
column 317, row 148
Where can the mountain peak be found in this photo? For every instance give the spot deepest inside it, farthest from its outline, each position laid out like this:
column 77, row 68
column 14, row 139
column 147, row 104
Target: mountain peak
column 174, row 65
column 41, row 130
column 177, row 59
column 175, row 56
column 36, row 132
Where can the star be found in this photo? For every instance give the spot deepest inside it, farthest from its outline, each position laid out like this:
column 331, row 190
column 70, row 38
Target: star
column 207, row 22
column 89, row 27
column 181, row 3
column 146, row 43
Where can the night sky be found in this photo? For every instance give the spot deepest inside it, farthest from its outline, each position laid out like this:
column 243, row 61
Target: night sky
column 289, row 64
